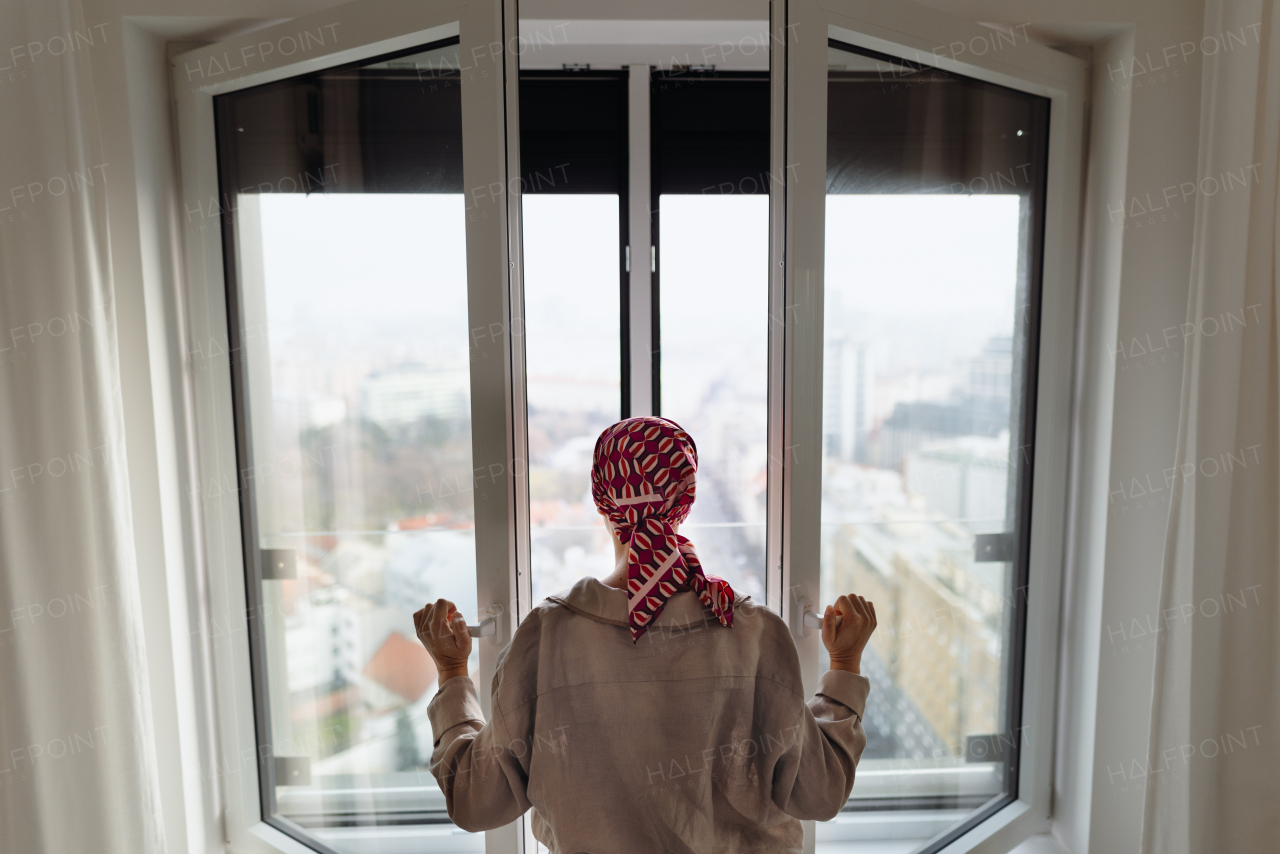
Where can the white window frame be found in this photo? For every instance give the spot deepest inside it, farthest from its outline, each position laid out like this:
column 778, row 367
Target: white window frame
column 373, row 27
column 925, row 36
column 354, row 32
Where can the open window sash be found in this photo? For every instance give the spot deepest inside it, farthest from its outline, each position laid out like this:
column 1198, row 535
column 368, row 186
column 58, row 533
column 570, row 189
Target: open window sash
column 909, row 42
column 244, row 500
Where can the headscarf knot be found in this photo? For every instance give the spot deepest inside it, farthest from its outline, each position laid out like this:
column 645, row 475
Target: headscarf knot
column 643, row 480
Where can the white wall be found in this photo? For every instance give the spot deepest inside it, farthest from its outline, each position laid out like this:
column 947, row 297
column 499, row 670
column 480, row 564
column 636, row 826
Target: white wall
column 1142, row 140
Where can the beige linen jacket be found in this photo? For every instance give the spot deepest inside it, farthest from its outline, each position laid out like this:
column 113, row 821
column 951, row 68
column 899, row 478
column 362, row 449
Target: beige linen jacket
column 695, row 739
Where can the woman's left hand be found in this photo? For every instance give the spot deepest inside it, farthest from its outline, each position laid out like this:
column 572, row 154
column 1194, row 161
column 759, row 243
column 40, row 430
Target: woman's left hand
column 443, row 631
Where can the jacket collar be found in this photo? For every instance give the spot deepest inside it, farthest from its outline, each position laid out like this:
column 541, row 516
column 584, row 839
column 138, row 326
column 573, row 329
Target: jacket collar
column 590, row 598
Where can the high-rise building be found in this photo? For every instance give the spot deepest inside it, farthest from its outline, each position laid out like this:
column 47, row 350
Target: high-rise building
column 938, row 615
column 981, row 409
column 314, row 644
column 991, row 373
column 406, row 394
column 965, row 479
column 846, row 399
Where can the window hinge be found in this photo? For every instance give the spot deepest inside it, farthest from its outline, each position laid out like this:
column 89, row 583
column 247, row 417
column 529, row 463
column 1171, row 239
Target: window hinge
column 653, row 259
column 279, row 564
column 983, row 748
column 293, row 770
column 628, row 259
column 993, row 548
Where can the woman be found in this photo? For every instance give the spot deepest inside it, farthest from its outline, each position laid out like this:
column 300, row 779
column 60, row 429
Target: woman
column 653, row 710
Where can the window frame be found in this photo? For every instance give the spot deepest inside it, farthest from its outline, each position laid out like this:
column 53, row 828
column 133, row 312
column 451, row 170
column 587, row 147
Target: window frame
column 803, row 29
column 357, row 32
column 902, row 28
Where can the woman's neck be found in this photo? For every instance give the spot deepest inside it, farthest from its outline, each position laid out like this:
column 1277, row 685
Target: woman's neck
column 618, row 578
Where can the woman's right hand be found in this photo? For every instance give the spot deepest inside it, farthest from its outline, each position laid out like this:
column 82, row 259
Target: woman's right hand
column 845, row 642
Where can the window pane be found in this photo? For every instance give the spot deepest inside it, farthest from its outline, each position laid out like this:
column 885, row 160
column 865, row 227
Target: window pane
column 934, row 189
column 710, row 162
column 573, row 161
column 344, row 203
column 714, row 301
column 370, row 434
column 572, row 352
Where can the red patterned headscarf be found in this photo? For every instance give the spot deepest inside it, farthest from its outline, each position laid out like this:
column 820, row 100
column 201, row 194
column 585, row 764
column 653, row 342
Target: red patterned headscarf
column 642, row 479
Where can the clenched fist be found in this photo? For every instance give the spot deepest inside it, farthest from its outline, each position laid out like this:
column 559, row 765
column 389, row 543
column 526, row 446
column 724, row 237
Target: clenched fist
column 443, row 631
column 847, row 637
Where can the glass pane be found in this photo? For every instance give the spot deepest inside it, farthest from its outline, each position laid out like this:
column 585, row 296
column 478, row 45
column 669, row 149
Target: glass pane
column 572, row 352
column 715, row 357
column 345, row 190
column 573, row 157
column 935, row 188
column 711, row 188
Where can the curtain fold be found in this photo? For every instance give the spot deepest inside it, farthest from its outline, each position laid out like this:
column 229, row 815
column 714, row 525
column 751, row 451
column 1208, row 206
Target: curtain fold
column 1215, row 734
column 77, row 762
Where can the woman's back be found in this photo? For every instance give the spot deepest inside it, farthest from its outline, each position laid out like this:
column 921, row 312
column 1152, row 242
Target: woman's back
column 655, row 711
column 695, row 738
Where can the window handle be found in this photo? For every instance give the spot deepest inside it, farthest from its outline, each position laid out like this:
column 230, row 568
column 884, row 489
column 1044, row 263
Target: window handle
column 488, row 626
column 813, row 620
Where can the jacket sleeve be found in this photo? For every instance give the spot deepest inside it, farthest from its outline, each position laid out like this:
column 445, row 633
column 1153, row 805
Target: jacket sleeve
column 814, row 776
column 484, row 784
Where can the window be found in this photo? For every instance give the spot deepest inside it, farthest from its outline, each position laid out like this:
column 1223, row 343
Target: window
column 344, row 190
column 915, row 316
column 934, row 208
column 708, row 139
column 400, row 373
column 351, row 368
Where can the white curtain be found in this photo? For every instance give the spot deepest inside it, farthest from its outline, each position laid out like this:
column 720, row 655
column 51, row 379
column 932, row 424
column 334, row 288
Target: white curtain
column 1214, row 758
column 77, row 762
